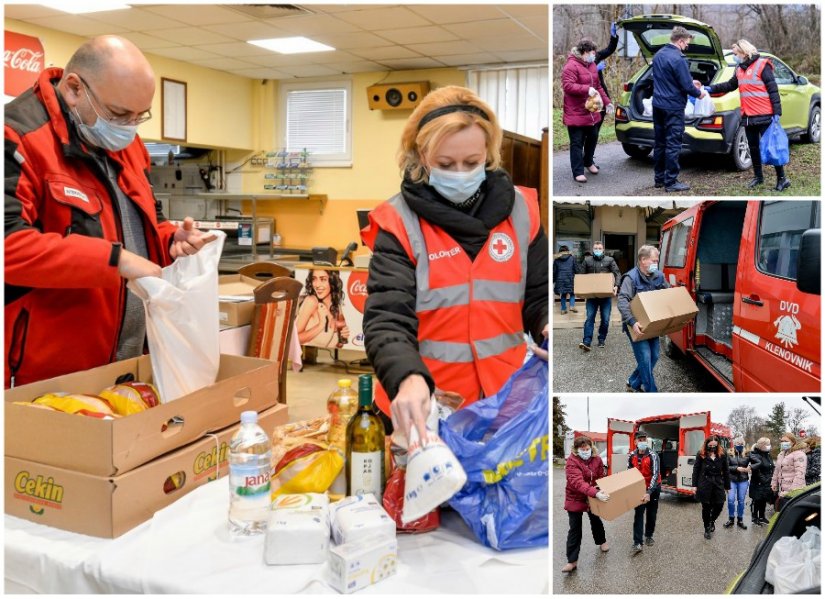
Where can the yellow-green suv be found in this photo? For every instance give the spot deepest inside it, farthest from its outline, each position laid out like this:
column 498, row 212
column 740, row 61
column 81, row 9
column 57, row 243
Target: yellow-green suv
column 720, row 133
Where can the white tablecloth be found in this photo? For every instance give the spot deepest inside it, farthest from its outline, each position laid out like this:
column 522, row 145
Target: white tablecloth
column 185, row 548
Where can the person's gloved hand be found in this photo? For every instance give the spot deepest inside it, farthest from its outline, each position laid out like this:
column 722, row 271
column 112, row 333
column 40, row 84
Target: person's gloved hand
column 610, row 109
column 602, row 496
column 613, row 30
column 600, row 66
column 591, row 91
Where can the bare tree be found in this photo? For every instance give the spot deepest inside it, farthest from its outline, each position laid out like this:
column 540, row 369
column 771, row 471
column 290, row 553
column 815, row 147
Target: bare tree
column 795, row 418
column 744, row 421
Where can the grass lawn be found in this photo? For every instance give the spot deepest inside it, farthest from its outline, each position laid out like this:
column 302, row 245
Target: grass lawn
column 560, row 141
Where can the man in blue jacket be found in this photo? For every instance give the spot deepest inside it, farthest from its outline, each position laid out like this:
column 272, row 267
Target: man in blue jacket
column 672, row 84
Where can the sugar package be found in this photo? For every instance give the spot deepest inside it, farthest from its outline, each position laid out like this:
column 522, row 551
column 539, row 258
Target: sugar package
column 357, row 517
column 353, row 566
column 298, row 530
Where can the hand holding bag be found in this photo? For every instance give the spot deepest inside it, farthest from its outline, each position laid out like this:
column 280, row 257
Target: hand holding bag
column 773, row 146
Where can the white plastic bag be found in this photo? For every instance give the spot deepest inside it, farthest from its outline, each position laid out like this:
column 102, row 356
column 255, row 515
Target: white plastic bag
column 647, row 104
column 793, row 565
column 704, row 106
column 182, row 322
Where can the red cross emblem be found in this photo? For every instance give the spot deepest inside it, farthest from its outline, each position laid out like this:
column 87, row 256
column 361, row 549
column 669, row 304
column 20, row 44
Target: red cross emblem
column 501, row 247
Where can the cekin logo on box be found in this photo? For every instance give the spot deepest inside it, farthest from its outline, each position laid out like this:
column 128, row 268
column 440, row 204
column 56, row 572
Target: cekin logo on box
column 40, row 492
column 207, row 462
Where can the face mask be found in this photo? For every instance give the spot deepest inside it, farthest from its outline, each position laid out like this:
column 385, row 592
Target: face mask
column 598, row 253
column 712, row 447
column 739, row 447
column 104, row 134
column 767, row 447
column 641, row 445
column 737, row 59
column 457, row 187
column 585, row 455
column 785, row 445
column 590, row 58
column 652, row 267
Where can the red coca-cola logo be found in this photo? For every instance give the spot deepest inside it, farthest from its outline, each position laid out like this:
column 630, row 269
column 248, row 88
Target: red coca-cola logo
column 24, row 60
column 357, row 290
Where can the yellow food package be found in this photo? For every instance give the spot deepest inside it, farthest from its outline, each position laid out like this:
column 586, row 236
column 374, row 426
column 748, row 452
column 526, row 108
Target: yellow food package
column 77, row 403
column 131, row 398
column 312, row 473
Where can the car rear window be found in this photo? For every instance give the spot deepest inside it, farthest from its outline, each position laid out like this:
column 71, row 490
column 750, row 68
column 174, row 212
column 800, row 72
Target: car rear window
column 658, row 37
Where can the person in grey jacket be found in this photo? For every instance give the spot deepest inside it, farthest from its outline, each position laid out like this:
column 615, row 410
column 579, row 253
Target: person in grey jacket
column 645, row 276
column 599, row 263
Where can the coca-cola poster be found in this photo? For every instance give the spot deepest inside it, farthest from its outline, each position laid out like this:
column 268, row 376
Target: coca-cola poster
column 331, row 307
column 24, row 60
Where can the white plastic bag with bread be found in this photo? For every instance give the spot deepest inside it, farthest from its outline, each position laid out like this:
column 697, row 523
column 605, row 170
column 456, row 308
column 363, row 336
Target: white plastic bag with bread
column 182, row 322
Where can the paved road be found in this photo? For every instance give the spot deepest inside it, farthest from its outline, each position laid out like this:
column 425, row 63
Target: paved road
column 681, row 561
column 606, row 370
column 622, row 175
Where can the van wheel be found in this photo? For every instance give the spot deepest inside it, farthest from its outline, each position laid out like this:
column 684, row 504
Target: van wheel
column 740, row 152
column 814, row 133
column 635, row 151
column 670, row 349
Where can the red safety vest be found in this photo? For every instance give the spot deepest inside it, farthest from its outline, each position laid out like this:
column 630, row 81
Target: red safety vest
column 752, row 91
column 470, row 327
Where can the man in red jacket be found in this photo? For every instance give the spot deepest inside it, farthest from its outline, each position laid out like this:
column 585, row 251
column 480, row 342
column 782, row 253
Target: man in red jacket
column 80, row 215
column 645, row 461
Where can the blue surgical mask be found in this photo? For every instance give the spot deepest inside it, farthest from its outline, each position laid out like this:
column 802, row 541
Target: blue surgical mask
column 767, row 447
column 785, row 445
column 652, row 267
column 457, row 186
column 104, row 134
column 590, row 58
column 642, row 445
column 585, row 454
column 598, row 253
column 737, row 59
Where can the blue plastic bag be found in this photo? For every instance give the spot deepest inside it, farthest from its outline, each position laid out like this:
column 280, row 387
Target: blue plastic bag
column 774, row 145
column 502, row 442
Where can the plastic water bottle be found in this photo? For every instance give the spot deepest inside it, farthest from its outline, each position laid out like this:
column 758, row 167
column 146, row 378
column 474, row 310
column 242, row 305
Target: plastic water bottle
column 250, row 468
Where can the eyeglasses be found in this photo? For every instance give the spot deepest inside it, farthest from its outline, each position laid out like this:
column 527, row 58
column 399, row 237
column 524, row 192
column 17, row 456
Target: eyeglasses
column 117, row 119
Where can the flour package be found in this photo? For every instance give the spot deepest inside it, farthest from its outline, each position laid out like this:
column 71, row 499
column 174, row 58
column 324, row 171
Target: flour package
column 360, row 516
column 297, row 531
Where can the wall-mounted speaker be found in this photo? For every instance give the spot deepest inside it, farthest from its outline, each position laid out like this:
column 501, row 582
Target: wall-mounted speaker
column 397, row 96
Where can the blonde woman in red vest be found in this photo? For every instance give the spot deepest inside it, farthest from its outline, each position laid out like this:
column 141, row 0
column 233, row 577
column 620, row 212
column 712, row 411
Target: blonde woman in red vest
column 759, row 96
column 459, row 265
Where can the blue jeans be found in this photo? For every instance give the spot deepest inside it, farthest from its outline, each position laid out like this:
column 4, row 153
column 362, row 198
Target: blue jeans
column 564, row 297
column 646, row 353
column 603, row 305
column 738, row 492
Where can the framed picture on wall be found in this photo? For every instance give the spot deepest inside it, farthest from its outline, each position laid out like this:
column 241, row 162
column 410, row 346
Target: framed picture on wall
column 173, row 109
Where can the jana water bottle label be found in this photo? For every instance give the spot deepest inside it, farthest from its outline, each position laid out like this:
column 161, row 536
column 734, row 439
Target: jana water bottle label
column 249, row 481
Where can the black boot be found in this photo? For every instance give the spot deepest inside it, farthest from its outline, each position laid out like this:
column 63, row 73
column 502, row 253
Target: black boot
column 757, row 176
column 713, row 526
column 782, row 182
column 740, row 523
column 708, row 533
column 729, row 523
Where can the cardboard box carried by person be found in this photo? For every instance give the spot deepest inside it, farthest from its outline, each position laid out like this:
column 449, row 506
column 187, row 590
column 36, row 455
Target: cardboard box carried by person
column 104, row 506
column 594, row 285
column 236, row 300
column 662, row 311
column 626, row 490
column 110, row 447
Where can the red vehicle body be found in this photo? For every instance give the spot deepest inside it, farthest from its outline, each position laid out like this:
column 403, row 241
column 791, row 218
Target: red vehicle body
column 753, row 268
column 676, row 438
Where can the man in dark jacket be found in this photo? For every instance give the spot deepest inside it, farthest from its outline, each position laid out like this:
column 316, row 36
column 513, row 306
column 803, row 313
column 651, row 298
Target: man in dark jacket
column 601, row 55
column 599, row 263
column 646, row 462
column 564, row 271
column 672, row 84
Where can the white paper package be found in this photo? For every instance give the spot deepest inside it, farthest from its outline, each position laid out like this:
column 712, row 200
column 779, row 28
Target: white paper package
column 298, row 530
column 353, row 566
column 357, row 517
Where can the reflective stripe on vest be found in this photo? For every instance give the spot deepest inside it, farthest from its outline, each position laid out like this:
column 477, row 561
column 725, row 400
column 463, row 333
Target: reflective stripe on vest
column 755, row 99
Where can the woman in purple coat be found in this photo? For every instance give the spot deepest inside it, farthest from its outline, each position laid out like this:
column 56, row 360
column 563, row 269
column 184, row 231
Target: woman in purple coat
column 580, row 82
column 582, row 470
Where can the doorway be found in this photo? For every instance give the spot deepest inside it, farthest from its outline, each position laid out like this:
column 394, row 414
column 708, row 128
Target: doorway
column 623, row 249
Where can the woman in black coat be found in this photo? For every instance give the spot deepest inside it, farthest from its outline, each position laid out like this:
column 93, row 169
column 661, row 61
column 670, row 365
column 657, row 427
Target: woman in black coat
column 564, row 270
column 761, row 465
column 711, row 477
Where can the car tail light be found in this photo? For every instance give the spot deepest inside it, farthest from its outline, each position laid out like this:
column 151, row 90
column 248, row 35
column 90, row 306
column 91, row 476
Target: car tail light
column 712, row 123
column 627, row 86
column 621, row 115
column 717, row 94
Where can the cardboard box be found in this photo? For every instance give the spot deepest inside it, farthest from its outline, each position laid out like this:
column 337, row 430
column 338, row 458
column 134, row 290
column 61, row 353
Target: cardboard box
column 107, row 507
column 594, row 285
column 238, row 312
column 111, row 447
column 662, row 311
column 626, row 490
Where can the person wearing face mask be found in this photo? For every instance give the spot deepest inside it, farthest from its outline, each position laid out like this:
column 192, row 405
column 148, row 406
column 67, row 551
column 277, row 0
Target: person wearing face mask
column 761, row 103
column 564, row 273
column 738, row 462
column 645, row 276
column 582, row 469
column 579, row 81
column 599, row 263
column 81, row 218
column 761, row 467
column 789, row 473
column 672, row 84
column 459, row 266
column 644, row 515
column 711, row 478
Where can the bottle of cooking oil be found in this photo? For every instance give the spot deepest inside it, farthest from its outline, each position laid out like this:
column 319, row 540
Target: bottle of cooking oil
column 341, row 405
column 365, row 446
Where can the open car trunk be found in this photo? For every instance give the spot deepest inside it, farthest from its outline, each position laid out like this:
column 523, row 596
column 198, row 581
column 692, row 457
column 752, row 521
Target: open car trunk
column 703, row 71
